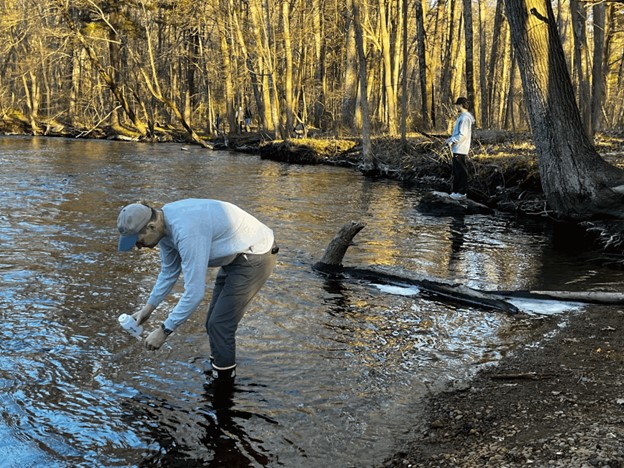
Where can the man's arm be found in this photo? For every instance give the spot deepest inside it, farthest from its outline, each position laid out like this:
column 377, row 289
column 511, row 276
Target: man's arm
column 194, row 254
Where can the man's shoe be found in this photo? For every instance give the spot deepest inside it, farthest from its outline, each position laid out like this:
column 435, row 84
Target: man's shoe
column 221, row 378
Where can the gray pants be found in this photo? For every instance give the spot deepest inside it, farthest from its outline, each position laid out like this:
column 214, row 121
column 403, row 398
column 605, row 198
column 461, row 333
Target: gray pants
column 235, row 286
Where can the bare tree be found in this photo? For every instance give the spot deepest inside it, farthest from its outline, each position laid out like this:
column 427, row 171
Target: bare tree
column 577, row 182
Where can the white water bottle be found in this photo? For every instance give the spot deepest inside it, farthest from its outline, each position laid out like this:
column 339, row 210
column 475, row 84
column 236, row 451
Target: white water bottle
column 129, row 324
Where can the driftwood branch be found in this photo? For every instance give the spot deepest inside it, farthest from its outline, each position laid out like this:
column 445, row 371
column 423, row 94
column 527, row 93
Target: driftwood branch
column 592, row 297
column 331, row 263
column 337, row 248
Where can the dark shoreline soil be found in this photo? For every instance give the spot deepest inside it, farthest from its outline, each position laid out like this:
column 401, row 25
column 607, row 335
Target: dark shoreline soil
column 556, row 402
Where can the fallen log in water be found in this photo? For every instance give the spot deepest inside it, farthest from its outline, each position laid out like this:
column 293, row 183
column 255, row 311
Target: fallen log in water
column 592, row 297
column 331, row 263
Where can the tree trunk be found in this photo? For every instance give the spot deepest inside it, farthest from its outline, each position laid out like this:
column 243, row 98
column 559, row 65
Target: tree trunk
column 422, row 64
column 349, row 88
column 483, row 84
column 367, row 150
column 580, row 62
column 495, row 57
column 388, row 89
column 598, row 71
column 469, row 41
column 577, row 182
column 288, row 74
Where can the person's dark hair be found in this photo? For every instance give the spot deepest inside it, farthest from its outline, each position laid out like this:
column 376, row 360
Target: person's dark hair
column 462, row 101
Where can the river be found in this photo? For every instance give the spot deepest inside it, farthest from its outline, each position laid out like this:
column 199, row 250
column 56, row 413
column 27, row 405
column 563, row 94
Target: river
column 330, row 372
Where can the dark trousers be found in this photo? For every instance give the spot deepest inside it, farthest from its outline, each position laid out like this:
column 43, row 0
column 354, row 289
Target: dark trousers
column 460, row 174
column 235, row 286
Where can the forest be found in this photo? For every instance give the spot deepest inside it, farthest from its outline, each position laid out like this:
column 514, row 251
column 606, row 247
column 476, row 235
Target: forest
column 145, row 64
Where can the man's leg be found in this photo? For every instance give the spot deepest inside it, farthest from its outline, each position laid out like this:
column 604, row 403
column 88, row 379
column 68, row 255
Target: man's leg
column 235, row 286
column 460, row 174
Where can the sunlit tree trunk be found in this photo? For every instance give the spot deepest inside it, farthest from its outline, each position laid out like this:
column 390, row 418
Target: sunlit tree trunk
column 320, row 92
column 483, row 85
column 448, row 64
column 576, row 181
column 31, row 91
column 388, row 88
column 598, row 70
column 272, row 75
column 468, row 45
column 349, row 88
column 425, row 94
column 288, row 72
column 228, row 86
column 610, row 92
column 495, row 58
column 367, row 151
column 581, row 62
column 403, row 118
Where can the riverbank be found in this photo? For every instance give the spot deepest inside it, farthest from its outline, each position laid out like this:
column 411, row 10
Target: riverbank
column 555, row 402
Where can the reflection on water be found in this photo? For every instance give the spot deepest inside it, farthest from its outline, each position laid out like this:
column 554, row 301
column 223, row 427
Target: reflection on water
column 330, row 370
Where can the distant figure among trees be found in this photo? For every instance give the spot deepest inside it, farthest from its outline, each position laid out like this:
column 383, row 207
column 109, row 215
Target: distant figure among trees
column 459, row 143
column 240, row 119
column 299, row 130
column 217, row 124
column 247, row 120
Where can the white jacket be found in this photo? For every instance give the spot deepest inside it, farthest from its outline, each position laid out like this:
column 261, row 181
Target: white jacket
column 462, row 133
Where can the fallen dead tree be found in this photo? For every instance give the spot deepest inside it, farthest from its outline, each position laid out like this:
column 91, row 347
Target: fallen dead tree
column 331, row 264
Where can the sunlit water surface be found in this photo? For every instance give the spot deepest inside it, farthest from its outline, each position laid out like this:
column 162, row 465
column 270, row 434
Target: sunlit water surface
column 331, row 372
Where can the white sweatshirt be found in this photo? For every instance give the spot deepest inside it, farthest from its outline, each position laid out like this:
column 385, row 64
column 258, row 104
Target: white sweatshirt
column 462, row 133
column 201, row 234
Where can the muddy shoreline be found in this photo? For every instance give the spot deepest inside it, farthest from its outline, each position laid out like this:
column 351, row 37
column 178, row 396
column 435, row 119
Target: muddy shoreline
column 556, row 401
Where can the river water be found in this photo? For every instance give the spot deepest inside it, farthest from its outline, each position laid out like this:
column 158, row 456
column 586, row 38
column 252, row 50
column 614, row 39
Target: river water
column 330, row 372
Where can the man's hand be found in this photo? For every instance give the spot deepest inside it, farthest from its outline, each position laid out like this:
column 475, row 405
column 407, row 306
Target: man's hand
column 155, row 339
column 142, row 315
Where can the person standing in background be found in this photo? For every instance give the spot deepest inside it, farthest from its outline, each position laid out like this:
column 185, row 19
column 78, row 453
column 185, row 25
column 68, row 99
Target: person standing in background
column 459, row 144
column 240, row 119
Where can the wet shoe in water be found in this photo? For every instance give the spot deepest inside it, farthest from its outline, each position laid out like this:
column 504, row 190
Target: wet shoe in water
column 220, row 379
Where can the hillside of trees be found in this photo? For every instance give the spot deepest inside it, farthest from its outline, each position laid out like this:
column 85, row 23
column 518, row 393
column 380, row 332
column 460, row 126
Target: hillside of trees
column 142, row 64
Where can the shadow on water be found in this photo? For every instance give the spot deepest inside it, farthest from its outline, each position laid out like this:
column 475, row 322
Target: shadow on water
column 215, row 429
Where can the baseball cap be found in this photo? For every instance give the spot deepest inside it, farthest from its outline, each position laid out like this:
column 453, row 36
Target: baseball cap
column 462, row 101
column 131, row 220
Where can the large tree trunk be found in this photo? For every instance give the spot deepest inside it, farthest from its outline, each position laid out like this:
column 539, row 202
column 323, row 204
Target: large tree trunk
column 388, row 90
column 581, row 62
column 367, row 149
column 598, row 70
column 288, row 72
column 468, row 44
column 425, row 95
column 349, row 88
column 577, row 182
